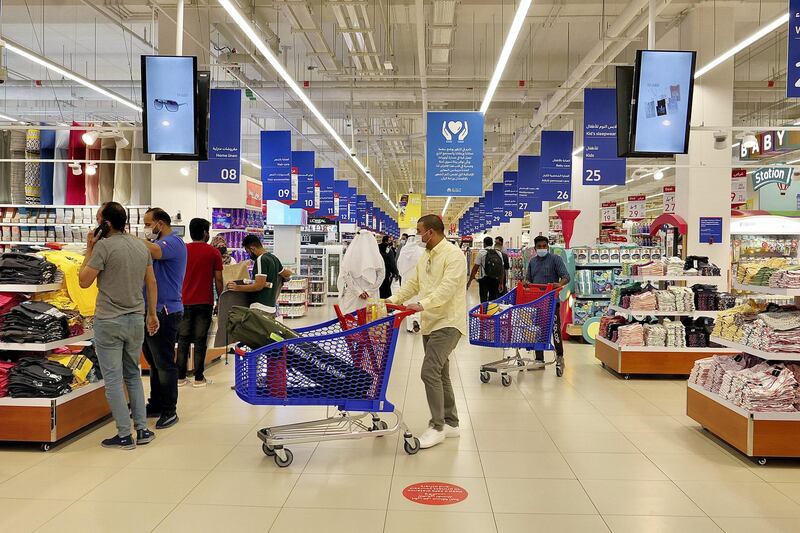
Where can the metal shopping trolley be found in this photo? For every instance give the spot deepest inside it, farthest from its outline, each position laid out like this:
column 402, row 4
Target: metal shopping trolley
column 522, row 319
column 345, row 363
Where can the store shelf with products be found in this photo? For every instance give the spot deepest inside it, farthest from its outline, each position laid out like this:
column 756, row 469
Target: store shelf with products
column 293, row 298
column 44, row 346
column 703, row 280
column 762, row 289
column 650, row 360
column 638, row 312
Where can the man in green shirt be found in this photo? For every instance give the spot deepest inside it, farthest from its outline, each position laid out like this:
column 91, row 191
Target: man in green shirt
column 268, row 275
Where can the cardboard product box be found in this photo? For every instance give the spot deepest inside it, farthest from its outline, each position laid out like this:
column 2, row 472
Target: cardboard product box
column 59, row 216
column 59, row 233
column 50, row 235
column 614, row 256
column 15, row 233
column 581, row 255
column 25, row 233
column 69, row 216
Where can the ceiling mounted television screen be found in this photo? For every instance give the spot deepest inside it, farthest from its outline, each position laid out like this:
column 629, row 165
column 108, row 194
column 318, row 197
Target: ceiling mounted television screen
column 202, row 101
column 624, row 85
column 169, row 89
column 662, row 102
column 279, row 214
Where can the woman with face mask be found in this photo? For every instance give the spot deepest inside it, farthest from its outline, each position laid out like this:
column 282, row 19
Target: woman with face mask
column 361, row 273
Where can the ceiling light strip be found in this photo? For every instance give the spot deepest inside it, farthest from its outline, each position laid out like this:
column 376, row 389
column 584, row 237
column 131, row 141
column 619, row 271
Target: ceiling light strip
column 36, row 58
column 7, row 118
column 248, row 30
column 763, row 32
column 250, row 163
column 505, row 54
column 446, row 205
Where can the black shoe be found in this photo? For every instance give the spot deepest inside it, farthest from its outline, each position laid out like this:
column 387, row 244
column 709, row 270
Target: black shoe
column 144, row 436
column 167, row 421
column 152, row 412
column 123, row 443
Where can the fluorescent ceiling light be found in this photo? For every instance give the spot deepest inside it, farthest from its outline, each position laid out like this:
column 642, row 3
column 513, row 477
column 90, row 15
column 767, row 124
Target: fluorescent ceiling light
column 446, row 205
column 36, row 58
column 577, row 151
column 659, row 175
column 763, row 32
column 607, row 188
column 250, row 163
column 736, row 145
column 505, row 54
column 248, row 30
column 7, row 118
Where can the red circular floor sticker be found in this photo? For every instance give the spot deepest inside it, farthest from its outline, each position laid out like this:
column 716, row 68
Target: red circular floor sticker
column 435, row 493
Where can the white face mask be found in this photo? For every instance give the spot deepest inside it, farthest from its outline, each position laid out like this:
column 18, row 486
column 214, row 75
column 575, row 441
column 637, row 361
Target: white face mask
column 541, row 252
column 150, row 234
column 420, row 242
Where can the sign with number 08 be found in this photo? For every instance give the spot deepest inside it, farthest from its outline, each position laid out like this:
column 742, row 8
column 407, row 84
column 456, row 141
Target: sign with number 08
column 637, row 207
column 669, row 199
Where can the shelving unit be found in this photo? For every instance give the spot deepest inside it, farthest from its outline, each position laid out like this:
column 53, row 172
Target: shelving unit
column 293, row 299
column 656, row 360
column 48, row 420
column 756, row 434
column 313, row 266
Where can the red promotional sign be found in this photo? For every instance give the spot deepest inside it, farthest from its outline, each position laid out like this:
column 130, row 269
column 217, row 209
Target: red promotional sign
column 254, row 192
column 435, row 493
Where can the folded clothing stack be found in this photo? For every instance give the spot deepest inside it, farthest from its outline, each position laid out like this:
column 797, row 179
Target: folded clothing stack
column 684, row 299
column 645, row 301
column 5, row 370
column 705, row 297
column 25, row 269
column 34, row 322
column 666, row 301
column 650, row 269
column 655, row 335
column 674, row 267
column 8, row 301
column 786, row 279
column 631, row 335
column 676, row 334
column 34, row 377
column 607, row 321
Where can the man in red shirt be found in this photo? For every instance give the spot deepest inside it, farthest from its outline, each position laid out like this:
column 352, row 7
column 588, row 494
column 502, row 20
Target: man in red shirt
column 203, row 272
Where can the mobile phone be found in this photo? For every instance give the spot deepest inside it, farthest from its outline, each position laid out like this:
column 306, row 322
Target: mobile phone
column 101, row 231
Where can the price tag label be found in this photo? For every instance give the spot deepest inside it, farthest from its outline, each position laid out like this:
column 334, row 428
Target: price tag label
column 738, row 186
column 608, row 214
column 669, row 199
column 637, row 207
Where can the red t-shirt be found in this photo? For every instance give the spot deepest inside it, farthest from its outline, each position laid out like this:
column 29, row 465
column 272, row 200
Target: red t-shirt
column 202, row 260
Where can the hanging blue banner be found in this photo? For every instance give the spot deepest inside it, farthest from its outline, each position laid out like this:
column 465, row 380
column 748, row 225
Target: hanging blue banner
column 601, row 166
column 483, row 214
column 303, row 169
column 324, row 176
column 352, row 205
column 793, row 56
column 528, row 184
column 276, row 166
column 454, row 158
column 511, row 194
column 340, row 199
column 224, row 138
column 555, row 166
column 499, row 199
column 361, row 210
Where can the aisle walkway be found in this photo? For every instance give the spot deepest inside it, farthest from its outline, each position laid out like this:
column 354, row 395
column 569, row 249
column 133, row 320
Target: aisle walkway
column 586, row 453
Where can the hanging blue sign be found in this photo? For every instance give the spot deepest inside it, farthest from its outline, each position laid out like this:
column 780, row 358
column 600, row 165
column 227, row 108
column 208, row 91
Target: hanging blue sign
column 601, row 166
column 352, row 205
column 793, row 56
column 454, row 158
column 511, row 209
column 324, row 176
column 340, row 199
column 224, row 138
column 555, row 166
column 710, row 230
column 528, row 184
column 484, row 215
column 499, row 204
column 303, row 168
column 361, row 210
column 276, row 166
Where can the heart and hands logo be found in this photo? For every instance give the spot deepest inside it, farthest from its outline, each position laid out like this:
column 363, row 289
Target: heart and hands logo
column 455, row 128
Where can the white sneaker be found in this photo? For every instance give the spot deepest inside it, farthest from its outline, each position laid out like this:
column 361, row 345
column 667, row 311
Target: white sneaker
column 538, row 365
column 431, row 438
column 183, row 382
column 451, row 432
column 203, row 383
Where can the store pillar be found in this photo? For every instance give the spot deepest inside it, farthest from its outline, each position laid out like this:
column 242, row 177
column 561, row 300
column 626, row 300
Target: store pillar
column 585, row 198
column 540, row 222
column 703, row 177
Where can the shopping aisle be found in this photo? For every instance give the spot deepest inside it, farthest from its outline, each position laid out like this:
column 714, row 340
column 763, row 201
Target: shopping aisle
column 585, row 453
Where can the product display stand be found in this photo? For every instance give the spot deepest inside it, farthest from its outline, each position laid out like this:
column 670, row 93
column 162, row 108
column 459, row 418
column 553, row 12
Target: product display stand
column 293, row 299
column 313, row 266
column 48, row 420
column 656, row 360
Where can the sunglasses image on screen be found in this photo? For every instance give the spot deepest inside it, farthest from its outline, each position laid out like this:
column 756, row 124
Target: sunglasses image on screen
column 169, row 105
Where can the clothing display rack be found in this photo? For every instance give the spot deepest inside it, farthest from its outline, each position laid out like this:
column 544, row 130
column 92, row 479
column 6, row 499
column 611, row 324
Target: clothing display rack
column 48, row 420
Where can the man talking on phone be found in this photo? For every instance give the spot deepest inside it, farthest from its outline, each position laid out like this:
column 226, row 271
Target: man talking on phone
column 121, row 264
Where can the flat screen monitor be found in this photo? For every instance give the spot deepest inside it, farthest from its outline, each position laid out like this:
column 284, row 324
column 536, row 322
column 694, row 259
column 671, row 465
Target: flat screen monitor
column 624, row 84
column 279, row 214
column 662, row 95
column 169, row 90
column 202, row 104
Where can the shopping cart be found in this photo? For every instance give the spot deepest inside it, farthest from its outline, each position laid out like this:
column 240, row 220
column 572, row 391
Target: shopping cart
column 522, row 319
column 345, row 363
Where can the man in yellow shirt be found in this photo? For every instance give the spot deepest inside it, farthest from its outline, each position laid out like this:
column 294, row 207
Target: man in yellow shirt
column 439, row 278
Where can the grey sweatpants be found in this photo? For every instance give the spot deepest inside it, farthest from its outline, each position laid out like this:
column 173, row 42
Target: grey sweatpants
column 436, row 376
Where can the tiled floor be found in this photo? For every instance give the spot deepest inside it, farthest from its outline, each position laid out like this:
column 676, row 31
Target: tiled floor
column 585, row 453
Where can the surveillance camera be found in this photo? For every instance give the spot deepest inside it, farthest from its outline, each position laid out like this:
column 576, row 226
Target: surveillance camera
column 720, row 138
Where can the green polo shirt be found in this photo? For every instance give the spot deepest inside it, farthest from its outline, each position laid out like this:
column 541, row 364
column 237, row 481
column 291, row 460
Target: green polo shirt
column 269, row 266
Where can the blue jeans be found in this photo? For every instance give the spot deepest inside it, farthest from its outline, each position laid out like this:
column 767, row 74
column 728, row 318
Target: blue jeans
column 118, row 342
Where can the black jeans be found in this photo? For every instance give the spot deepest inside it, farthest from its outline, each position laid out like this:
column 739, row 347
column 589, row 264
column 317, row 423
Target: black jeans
column 557, row 343
column 159, row 351
column 489, row 289
column 194, row 330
